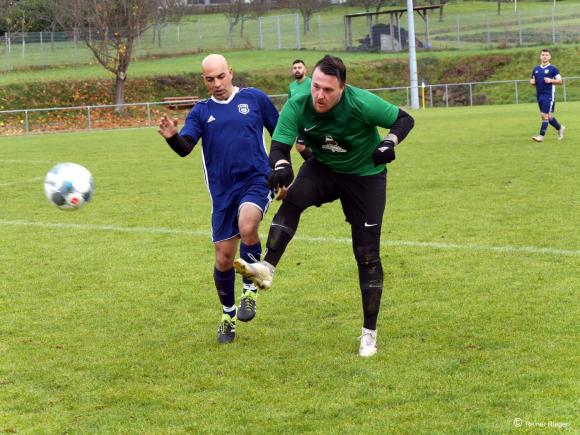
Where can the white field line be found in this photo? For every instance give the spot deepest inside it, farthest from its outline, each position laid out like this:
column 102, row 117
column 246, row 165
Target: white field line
column 398, row 243
column 26, row 161
column 35, row 179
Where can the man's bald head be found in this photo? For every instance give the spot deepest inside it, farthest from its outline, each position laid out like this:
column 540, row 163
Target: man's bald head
column 213, row 61
column 217, row 76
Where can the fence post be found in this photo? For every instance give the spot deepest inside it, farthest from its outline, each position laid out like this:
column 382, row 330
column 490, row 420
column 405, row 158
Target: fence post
column 148, row 115
column 520, row 27
column 319, row 33
column 431, row 96
column 564, row 89
column 517, row 96
column 74, row 46
column 278, row 35
column 427, row 36
column 408, row 100
column 260, row 35
column 553, row 25
column 26, row 129
column 229, row 36
column 487, row 27
column 399, row 40
column 446, row 96
column 470, row 95
column 297, row 32
column 458, row 28
column 90, row 124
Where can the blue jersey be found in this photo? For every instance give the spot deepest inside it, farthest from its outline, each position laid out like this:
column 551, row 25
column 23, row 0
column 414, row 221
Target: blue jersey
column 232, row 133
column 542, row 88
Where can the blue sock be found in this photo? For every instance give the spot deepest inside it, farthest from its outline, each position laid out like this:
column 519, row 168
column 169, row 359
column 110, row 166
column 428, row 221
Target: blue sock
column 224, row 284
column 543, row 128
column 554, row 123
column 250, row 254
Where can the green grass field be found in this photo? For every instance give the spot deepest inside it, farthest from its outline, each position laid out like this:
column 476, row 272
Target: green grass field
column 109, row 315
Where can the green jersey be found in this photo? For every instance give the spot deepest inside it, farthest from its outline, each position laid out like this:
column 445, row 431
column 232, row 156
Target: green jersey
column 343, row 138
column 296, row 88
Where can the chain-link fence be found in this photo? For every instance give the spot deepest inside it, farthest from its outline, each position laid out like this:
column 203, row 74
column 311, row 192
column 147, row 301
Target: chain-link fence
column 34, row 121
column 537, row 26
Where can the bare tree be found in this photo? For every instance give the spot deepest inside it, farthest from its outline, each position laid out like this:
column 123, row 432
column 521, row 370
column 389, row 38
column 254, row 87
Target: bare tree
column 165, row 16
column 378, row 4
column 307, row 8
column 110, row 28
column 234, row 13
column 367, row 4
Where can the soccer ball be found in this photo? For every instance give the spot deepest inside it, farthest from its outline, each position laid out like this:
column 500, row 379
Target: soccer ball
column 69, row 186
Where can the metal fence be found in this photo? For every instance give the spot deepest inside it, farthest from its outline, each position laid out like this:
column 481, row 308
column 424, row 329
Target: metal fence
column 534, row 26
column 136, row 115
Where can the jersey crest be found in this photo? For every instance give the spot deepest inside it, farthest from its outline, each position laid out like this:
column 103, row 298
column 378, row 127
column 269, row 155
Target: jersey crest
column 332, row 145
column 244, row 109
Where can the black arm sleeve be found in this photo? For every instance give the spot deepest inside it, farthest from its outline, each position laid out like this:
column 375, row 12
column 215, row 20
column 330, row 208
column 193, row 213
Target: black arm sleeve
column 182, row 145
column 279, row 151
column 402, row 126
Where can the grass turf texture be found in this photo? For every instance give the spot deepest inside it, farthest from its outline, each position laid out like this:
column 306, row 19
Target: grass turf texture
column 109, row 314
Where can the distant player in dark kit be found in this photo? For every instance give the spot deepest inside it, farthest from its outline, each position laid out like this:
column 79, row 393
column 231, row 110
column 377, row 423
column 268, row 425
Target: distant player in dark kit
column 545, row 77
column 339, row 123
column 231, row 125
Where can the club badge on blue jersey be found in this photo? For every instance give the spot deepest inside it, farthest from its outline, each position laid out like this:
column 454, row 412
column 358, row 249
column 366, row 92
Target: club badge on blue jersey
column 244, row 109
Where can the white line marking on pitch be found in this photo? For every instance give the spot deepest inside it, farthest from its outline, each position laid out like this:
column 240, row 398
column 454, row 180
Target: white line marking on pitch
column 26, row 161
column 399, row 243
column 12, row 183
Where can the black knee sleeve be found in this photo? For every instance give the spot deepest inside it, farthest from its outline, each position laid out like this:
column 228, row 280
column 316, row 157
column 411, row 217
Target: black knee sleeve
column 366, row 248
column 281, row 232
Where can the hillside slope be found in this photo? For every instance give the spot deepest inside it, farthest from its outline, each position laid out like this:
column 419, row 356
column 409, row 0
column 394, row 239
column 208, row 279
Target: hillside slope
column 434, row 68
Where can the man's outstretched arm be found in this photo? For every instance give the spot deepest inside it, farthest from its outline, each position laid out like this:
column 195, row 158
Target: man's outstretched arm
column 182, row 145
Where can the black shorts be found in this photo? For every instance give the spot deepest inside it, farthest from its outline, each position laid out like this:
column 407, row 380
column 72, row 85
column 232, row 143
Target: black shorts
column 363, row 198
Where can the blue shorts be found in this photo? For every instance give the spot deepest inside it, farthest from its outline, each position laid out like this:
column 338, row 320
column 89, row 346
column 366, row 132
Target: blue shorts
column 224, row 217
column 547, row 103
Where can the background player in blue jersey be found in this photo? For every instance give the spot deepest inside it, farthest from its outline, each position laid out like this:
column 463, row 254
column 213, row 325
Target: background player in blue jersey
column 545, row 77
column 235, row 162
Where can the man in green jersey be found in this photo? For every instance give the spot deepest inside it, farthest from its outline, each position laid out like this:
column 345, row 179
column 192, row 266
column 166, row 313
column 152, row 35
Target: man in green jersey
column 339, row 123
column 301, row 85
